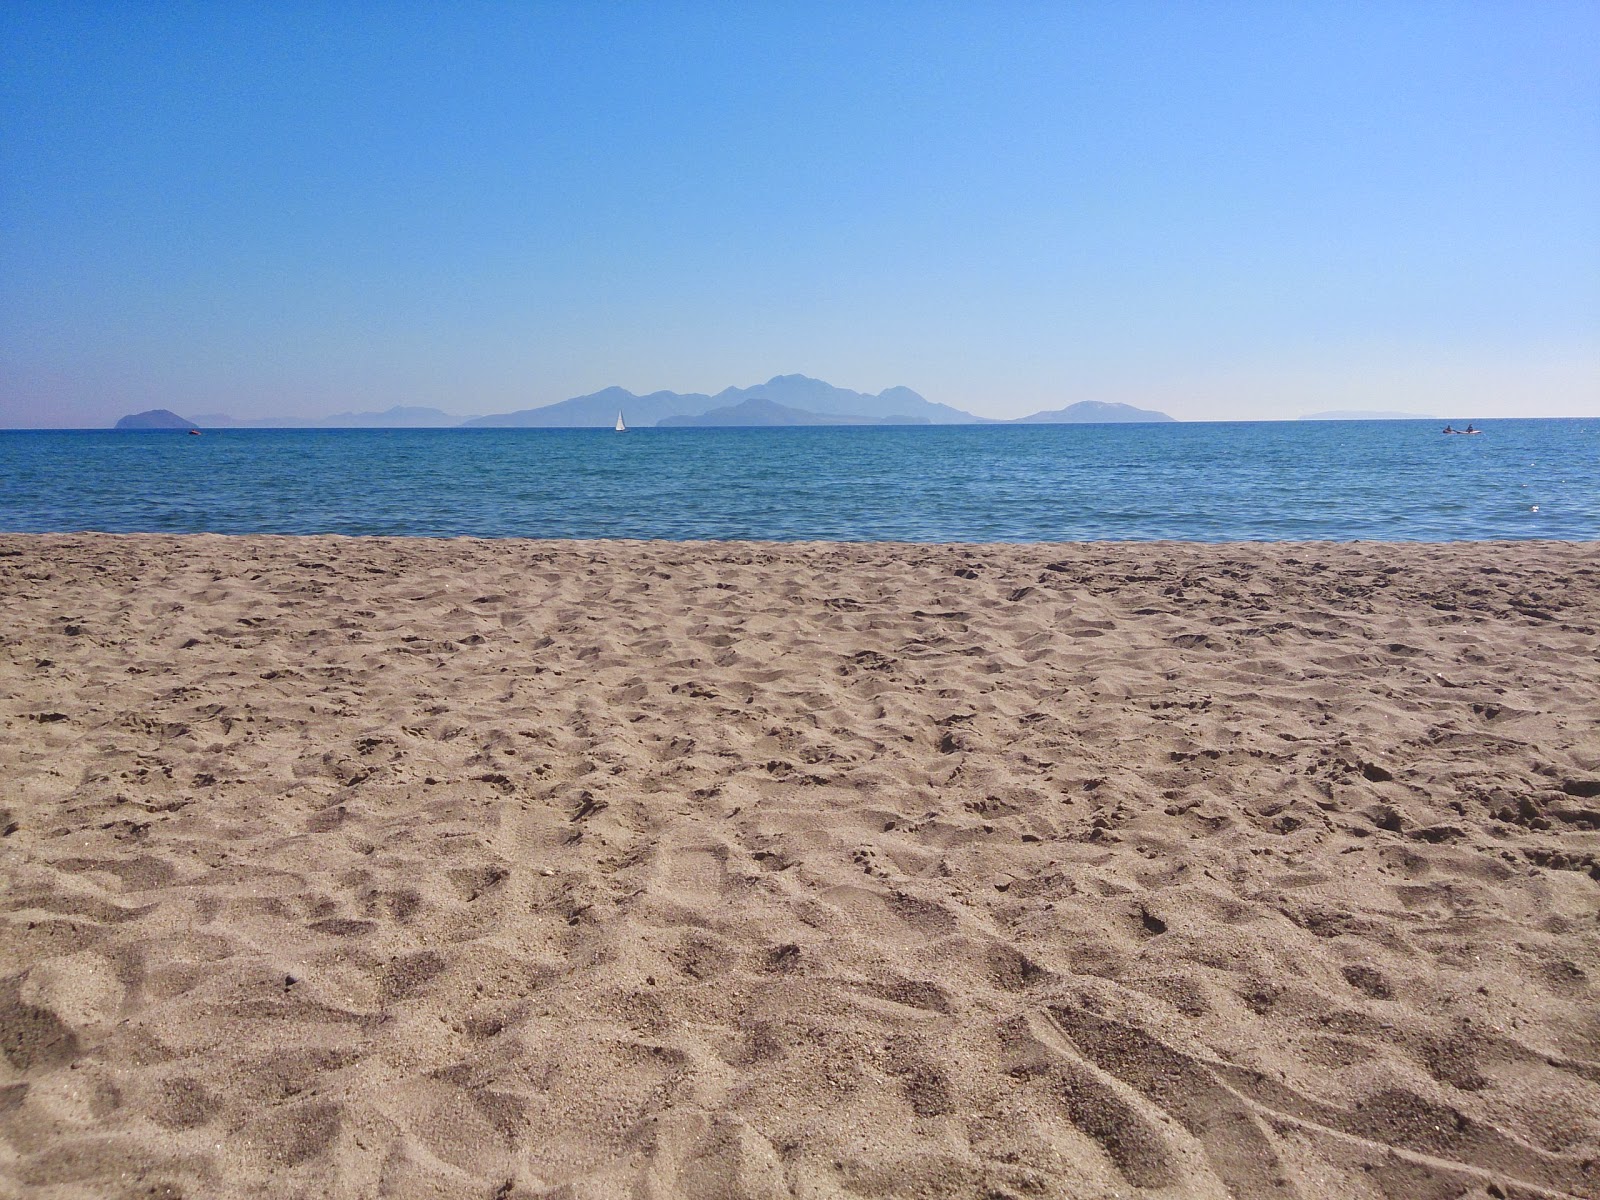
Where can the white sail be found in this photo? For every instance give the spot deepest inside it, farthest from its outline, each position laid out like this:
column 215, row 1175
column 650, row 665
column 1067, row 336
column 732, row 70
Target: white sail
column 621, row 428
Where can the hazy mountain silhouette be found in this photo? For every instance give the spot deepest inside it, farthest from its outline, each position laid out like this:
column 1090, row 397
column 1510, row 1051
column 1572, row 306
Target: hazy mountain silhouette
column 398, row 417
column 154, row 418
column 1095, row 412
column 782, row 400
column 598, row 409
column 762, row 412
column 795, row 392
column 815, row 396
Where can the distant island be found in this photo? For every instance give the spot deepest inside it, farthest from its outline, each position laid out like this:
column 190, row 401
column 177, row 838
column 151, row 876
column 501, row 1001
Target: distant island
column 155, row 418
column 1357, row 415
column 1093, row 412
column 784, row 400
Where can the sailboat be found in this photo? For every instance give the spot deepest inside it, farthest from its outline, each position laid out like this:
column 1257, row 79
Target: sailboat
column 621, row 428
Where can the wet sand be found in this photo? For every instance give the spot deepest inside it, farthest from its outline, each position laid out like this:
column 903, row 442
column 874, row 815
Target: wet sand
column 510, row 869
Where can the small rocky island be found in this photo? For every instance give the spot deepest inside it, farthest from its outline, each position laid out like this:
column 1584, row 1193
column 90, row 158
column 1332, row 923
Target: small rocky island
column 155, row 418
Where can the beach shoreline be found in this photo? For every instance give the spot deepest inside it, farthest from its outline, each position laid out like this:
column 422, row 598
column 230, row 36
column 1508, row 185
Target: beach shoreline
column 416, row 867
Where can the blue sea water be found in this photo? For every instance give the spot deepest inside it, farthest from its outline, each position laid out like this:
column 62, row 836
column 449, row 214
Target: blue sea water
column 1326, row 480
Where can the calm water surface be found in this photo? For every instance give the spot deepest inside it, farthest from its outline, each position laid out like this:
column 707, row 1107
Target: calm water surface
column 1336, row 480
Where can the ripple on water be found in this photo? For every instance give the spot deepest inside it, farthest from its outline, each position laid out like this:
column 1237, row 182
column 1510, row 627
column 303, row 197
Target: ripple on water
column 1381, row 480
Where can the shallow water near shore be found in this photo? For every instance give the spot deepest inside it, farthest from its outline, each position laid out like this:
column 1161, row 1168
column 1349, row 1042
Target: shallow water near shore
column 1262, row 481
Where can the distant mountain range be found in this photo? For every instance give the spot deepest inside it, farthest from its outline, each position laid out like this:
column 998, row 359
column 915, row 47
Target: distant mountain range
column 395, row 418
column 783, row 400
column 758, row 412
column 796, row 394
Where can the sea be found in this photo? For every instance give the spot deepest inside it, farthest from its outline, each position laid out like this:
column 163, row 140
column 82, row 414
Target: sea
column 1208, row 482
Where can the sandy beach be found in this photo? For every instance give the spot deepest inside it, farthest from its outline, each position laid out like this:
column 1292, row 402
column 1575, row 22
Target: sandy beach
column 410, row 868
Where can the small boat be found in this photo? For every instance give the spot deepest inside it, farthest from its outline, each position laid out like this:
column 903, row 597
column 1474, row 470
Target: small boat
column 621, row 427
column 194, row 433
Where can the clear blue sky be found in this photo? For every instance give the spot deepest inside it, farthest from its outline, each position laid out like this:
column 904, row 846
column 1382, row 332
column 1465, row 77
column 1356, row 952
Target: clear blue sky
column 1220, row 210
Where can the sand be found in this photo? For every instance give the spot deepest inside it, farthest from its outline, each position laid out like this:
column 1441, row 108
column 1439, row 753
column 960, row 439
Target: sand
column 504, row 869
